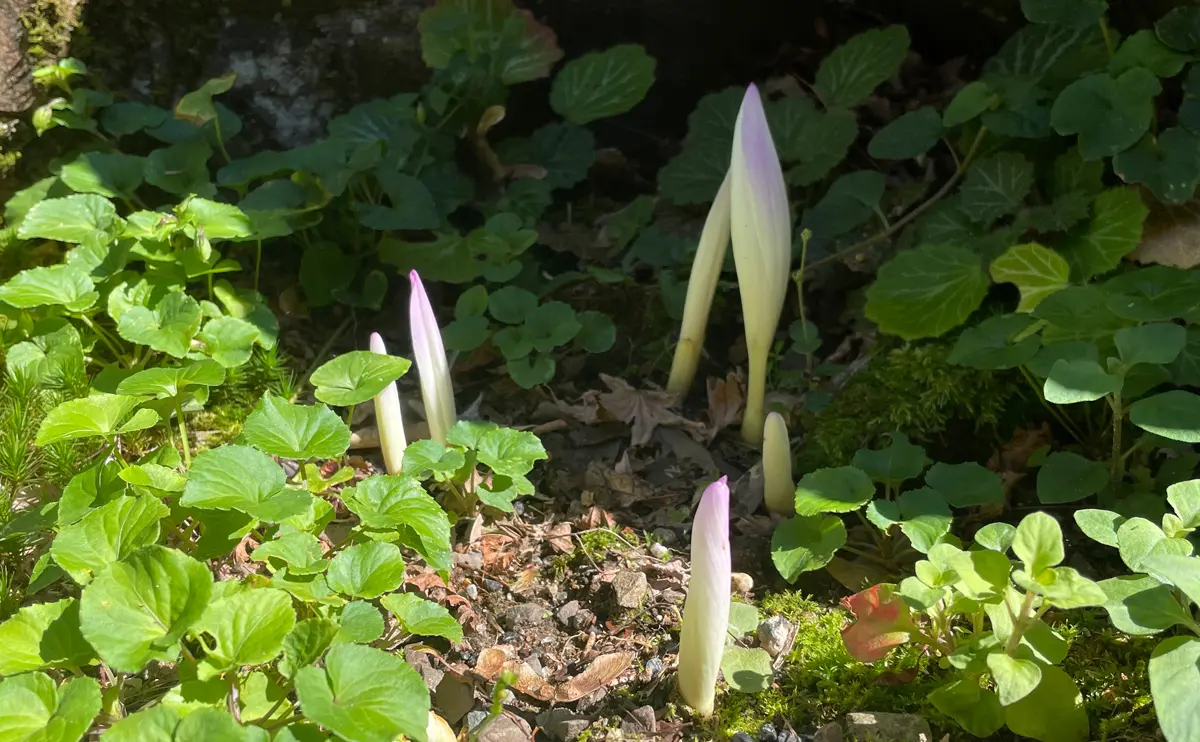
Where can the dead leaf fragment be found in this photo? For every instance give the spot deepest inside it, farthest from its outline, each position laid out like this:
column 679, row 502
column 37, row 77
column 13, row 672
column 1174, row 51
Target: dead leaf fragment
column 644, row 410
column 603, row 670
column 725, row 403
column 1171, row 235
column 559, row 536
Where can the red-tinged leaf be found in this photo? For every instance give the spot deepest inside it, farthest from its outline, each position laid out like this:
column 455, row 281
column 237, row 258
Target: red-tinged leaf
column 881, row 622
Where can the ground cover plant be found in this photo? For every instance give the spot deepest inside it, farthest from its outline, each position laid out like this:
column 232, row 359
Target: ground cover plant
column 961, row 364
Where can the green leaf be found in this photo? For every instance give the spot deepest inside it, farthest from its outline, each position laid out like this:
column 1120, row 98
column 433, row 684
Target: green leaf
column 295, row 431
column 229, row 340
column 324, row 270
column 128, row 117
column 803, row 544
column 1063, row 587
column 1181, row 571
column 70, row 219
column 1099, row 525
column 989, row 344
column 1069, row 477
column 399, row 502
column 365, row 695
column 1053, row 712
column 1138, row 538
column 114, row 175
column 181, row 169
column 305, row 644
column 1169, row 164
column 602, row 84
column 1180, row 29
column 509, row 452
column 234, row 477
column 356, row 377
column 466, row 334
column 851, row 201
column 1014, row 678
column 422, row 617
column 1035, row 270
column 1143, row 49
column 511, row 304
column 852, row 71
column 839, row 490
column 976, row 709
column 884, row 514
column 97, row 415
column 819, row 145
column 1110, row 114
column 566, row 151
column 1174, row 670
column 1074, row 381
column 965, row 485
column 1038, row 542
column 597, row 332
column 300, row 552
column 217, row 220
column 163, row 723
column 57, row 285
column 165, row 382
column 996, row 186
column 1184, row 498
column 1174, row 415
column 359, row 623
column 926, row 291
column 137, row 609
column 694, row 175
column 426, row 458
column 743, row 620
column 910, row 135
column 996, row 536
column 1158, row 343
column 891, row 466
column 412, row 205
column 926, row 517
column 168, row 328
column 1141, row 605
column 551, row 325
column 367, row 570
column 747, row 670
column 975, row 98
column 197, row 106
column 159, row 480
column 36, row 711
column 1069, row 13
column 248, row 627
column 41, row 636
column 107, row 534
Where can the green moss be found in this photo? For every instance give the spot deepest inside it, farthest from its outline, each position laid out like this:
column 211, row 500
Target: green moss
column 912, row 389
column 1110, row 669
column 49, row 27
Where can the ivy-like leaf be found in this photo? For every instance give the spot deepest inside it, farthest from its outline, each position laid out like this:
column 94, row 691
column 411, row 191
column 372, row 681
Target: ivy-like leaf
column 1036, row 271
column 852, row 71
column 996, row 186
column 602, row 84
column 1110, row 114
column 1115, row 230
column 926, row 291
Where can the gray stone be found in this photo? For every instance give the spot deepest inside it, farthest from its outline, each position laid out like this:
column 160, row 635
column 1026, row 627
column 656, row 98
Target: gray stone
column 523, row 615
column 453, row 698
column 741, row 582
column 469, row 560
column 506, row 728
column 583, row 619
column 871, row 726
column 630, row 589
column 420, row 662
column 640, row 721
column 566, row 612
column 658, row 551
column 475, row 718
column 831, row 732
column 775, row 634
column 665, row 535
column 563, row 725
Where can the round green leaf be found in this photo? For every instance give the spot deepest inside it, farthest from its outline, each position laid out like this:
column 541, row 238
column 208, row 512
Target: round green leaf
column 422, row 617
column 1174, row 670
column 1110, row 114
column 1099, row 525
column 747, row 670
column 165, row 382
column 926, row 291
column 1053, row 712
column 97, row 415
column 975, row 98
column 1073, row 381
column 110, row 174
column 890, row 466
column 926, row 517
column 467, row 333
column 1180, row 29
column 852, row 71
column 566, row 151
column 803, row 544
column 1155, row 293
column 359, row 623
column 850, row 202
column 1069, row 477
column 137, row 609
column 300, row 552
column 248, row 627
column 229, row 340
column 511, row 304
column 356, row 377
column 34, row 710
column 71, row 219
column 1069, row 13
column 912, row 134
column 305, row 644
column 1115, row 231
column 364, row 694
column 996, row 536
column 977, row 709
column 107, row 534
column 296, row 431
column 1174, row 414
column 597, row 333
column 57, row 285
column 1038, row 542
column 1167, row 164
column 367, row 570
column 168, row 328
column 989, row 345
column 399, row 502
column 602, row 84
column 996, row 186
column 234, row 477
column 1141, row 605
column 551, row 325
column 966, row 485
column 41, row 636
column 1014, row 678
column 1156, row 344
column 839, row 490
column 1035, row 270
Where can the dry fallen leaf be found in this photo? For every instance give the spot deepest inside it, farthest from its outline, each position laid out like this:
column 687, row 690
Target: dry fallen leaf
column 1014, row 455
column 1171, row 235
column 559, row 536
column 725, row 403
column 644, row 410
column 603, row 670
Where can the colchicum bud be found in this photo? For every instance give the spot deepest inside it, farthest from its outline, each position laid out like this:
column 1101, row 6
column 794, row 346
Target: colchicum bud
column 706, row 608
column 779, row 489
column 438, row 730
column 702, row 284
column 761, row 228
column 437, row 391
column 389, row 419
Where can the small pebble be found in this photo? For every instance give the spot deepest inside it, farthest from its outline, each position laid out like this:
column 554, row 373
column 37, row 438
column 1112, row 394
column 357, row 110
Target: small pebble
column 741, row 582
column 491, row 585
column 767, row 733
column 774, row 635
column 475, row 718
column 742, row 737
column 654, row 666
column 658, row 551
column 665, row 535
column 510, row 637
column 472, row 591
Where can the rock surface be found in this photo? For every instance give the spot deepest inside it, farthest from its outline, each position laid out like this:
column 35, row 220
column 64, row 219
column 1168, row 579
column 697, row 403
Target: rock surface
column 775, row 635
column 630, row 588
column 563, row 725
column 870, row 726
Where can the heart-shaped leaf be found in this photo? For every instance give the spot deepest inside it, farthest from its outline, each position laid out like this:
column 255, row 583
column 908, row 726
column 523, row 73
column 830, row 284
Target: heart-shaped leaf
column 1014, row 678
column 241, row 478
column 891, row 466
column 72, row 219
column 422, row 617
column 35, row 710
column 58, row 285
column 168, row 328
column 852, row 71
column 399, row 502
column 294, row 431
column 1069, row 477
column 1110, row 114
column 97, row 415
column 926, row 291
column 299, row 552
column 839, row 490
column 356, row 377
column 165, row 383
column 966, row 485
column 248, row 627
column 367, row 570
column 305, row 644
column 1035, row 270
column 107, row 534
column 1074, row 381
column 602, row 84
column 41, row 636
column 804, row 544
column 365, row 694
column 747, row 669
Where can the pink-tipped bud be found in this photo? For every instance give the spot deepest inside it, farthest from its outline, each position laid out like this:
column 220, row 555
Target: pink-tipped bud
column 437, row 391
column 706, row 609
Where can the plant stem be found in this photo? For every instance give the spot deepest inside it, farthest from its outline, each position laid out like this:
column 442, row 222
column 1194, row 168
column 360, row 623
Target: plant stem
column 258, row 261
column 183, row 436
column 916, row 212
column 1056, row 413
column 104, row 338
column 304, row 474
column 1118, row 417
column 1020, row 623
column 798, row 279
